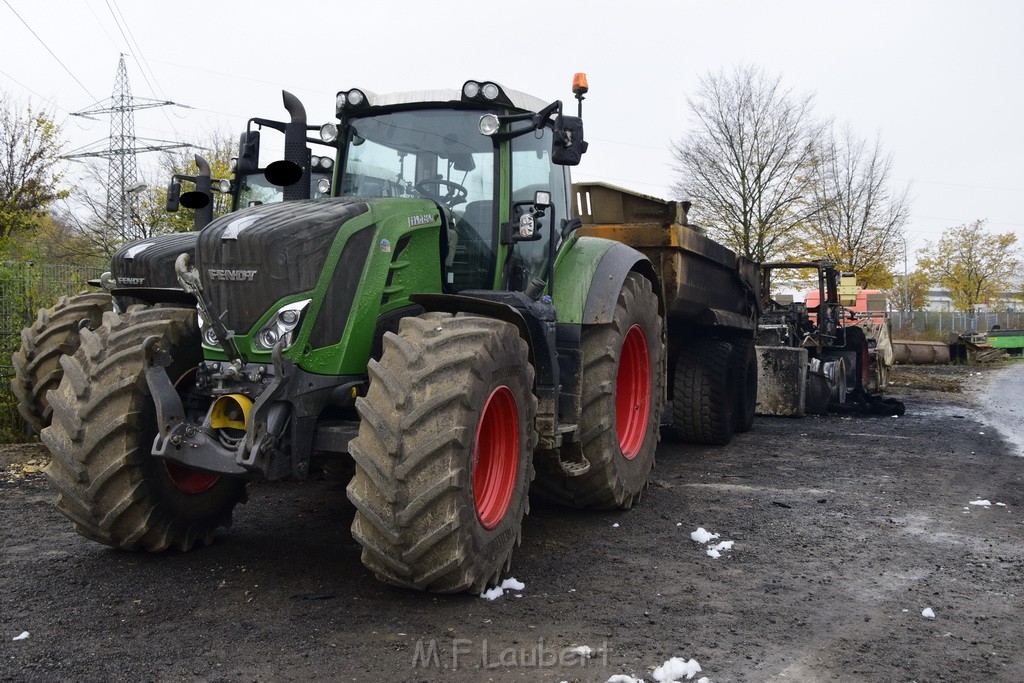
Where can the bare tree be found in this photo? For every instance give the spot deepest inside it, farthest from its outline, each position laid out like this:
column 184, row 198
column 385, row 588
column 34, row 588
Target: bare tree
column 30, row 169
column 748, row 162
column 860, row 217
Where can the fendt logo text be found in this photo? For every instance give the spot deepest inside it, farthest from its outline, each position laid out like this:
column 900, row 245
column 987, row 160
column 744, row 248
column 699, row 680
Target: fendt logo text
column 231, row 275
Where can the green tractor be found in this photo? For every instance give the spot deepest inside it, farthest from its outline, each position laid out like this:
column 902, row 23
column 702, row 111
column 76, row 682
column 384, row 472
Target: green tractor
column 439, row 323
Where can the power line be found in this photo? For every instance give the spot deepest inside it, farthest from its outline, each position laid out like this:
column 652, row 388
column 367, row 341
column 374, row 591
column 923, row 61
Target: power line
column 44, row 99
column 43, row 43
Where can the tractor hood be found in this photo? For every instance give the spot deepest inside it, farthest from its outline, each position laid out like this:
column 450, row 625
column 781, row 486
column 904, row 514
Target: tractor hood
column 260, row 254
column 150, row 262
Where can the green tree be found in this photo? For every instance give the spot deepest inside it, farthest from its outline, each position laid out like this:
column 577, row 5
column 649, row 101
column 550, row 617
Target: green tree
column 30, row 165
column 860, row 217
column 973, row 264
column 748, row 161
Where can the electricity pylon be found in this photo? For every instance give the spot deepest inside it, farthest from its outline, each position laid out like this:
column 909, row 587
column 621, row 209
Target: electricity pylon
column 122, row 170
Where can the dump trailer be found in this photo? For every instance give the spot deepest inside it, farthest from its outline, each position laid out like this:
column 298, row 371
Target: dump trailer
column 441, row 322
column 143, row 272
column 711, row 307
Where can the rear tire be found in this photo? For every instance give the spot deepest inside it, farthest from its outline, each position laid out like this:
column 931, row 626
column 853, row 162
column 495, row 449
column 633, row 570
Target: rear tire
column 704, row 392
column 37, row 367
column 746, row 391
column 443, row 455
column 102, row 431
column 622, row 390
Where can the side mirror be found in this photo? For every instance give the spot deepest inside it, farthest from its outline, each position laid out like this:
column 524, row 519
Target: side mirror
column 173, row 195
column 248, row 153
column 568, row 145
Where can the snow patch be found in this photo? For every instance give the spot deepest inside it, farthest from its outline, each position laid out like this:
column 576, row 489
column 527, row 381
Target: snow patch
column 928, row 613
column 22, row 636
column 702, row 535
column 675, row 669
column 982, row 502
column 716, row 550
column 583, row 651
column 623, row 678
column 511, row 584
column 492, row 593
column 615, row 526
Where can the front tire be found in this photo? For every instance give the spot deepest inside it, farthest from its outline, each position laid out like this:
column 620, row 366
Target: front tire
column 443, row 455
column 622, row 401
column 36, row 363
column 102, row 431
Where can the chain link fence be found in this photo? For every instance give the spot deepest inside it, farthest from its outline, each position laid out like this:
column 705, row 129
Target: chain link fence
column 24, row 289
column 942, row 323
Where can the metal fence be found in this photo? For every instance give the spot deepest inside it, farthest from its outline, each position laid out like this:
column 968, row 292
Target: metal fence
column 955, row 321
column 24, row 289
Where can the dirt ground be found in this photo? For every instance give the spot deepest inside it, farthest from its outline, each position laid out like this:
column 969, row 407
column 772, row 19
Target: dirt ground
column 845, row 529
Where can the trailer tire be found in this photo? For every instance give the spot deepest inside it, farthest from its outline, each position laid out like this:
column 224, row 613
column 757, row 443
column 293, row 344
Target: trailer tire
column 443, row 455
column 37, row 362
column 746, row 390
column 621, row 391
column 704, row 392
column 103, row 426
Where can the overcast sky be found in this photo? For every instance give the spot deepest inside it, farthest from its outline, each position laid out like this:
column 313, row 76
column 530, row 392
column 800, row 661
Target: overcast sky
column 942, row 82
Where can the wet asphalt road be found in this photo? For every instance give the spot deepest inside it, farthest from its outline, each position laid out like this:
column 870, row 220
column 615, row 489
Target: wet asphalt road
column 845, row 529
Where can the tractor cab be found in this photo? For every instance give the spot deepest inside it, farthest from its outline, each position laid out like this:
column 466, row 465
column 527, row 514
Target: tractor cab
column 484, row 155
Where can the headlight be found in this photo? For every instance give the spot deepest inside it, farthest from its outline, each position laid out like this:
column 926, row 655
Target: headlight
column 471, row 89
column 282, row 326
column 223, row 186
column 490, row 91
column 323, row 186
column 489, row 124
column 328, row 132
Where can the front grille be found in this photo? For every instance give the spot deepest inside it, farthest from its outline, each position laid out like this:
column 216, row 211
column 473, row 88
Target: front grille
column 254, row 257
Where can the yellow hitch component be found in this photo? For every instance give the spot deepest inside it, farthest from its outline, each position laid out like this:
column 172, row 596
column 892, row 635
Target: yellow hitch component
column 230, row 411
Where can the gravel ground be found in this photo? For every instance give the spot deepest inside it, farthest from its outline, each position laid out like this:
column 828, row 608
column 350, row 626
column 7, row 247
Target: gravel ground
column 845, row 529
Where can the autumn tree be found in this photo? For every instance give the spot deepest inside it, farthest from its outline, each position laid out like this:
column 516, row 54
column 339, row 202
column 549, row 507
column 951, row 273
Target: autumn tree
column 30, row 165
column 748, row 161
column 974, row 264
column 909, row 292
column 860, row 214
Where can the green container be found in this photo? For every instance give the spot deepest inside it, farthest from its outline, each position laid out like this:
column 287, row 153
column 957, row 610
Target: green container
column 1006, row 339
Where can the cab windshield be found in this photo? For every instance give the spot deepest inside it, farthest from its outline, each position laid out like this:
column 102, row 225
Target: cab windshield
column 438, row 154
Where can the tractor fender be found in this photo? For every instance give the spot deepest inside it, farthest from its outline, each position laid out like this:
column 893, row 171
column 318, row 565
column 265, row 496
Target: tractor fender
column 589, row 277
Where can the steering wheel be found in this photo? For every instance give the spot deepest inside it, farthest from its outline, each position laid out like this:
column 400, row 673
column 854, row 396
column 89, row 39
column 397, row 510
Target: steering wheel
column 454, row 194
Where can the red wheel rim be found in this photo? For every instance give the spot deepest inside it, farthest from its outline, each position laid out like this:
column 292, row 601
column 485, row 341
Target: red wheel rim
column 633, row 392
column 496, row 457
column 184, row 478
column 189, row 480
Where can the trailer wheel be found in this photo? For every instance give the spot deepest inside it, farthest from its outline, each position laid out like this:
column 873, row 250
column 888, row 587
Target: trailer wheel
column 443, row 455
column 102, row 430
column 746, row 390
column 37, row 363
column 704, row 392
column 622, row 400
